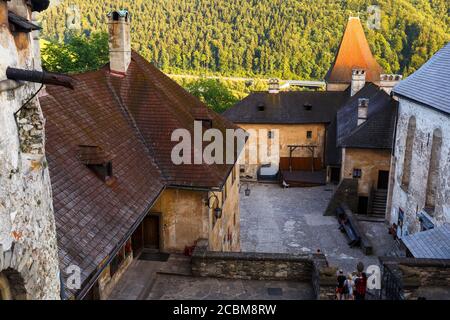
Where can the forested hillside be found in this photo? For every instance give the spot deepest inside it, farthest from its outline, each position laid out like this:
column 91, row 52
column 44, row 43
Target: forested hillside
column 283, row 38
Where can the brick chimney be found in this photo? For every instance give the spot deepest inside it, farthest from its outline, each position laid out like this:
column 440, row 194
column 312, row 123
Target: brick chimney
column 363, row 110
column 358, row 80
column 389, row 81
column 119, row 41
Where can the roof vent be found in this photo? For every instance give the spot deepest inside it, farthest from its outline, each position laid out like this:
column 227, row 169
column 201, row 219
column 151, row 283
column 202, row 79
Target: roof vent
column 308, row 106
column 261, row 107
column 97, row 161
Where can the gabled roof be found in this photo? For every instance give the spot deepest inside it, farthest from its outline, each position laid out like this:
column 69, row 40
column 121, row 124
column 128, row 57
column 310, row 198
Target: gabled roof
column 354, row 53
column 430, row 84
column 92, row 218
column 378, row 130
column 129, row 121
column 287, row 107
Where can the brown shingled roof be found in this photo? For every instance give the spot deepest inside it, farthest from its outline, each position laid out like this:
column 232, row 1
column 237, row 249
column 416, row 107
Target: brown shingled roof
column 128, row 121
column 354, row 53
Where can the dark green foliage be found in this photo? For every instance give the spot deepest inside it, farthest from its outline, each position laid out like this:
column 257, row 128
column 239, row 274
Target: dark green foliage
column 213, row 93
column 78, row 53
column 282, row 38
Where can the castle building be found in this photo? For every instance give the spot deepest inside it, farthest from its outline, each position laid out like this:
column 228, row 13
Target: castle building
column 343, row 133
column 29, row 267
column 421, row 183
column 117, row 192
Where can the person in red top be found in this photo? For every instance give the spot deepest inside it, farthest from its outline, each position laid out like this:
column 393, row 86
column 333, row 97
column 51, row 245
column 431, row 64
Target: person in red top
column 361, row 286
column 340, row 285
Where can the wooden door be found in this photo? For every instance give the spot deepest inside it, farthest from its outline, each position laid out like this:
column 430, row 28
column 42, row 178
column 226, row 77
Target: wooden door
column 383, row 180
column 151, row 232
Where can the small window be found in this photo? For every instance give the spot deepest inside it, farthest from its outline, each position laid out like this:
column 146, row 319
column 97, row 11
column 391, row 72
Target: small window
column 261, row 107
column 242, row 168
column 270, row 135
column 309, row 135
column 357, row 173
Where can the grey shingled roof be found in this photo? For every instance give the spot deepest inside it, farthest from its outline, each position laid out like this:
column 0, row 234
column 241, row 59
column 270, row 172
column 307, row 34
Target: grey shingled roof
column 377, row 132
column 287, row 107
column 431, row 244
column 430, row 84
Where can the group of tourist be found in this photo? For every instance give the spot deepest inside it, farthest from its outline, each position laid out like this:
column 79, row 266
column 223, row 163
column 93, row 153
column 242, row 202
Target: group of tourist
column 351, row 286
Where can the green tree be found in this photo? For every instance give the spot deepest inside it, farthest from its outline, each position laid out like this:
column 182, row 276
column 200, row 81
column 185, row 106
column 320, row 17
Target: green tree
column 213, row 93
column 78, row 53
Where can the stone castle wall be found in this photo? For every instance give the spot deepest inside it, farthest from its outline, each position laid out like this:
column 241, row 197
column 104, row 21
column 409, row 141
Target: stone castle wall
column 28, row 247
column 311, row 268
column 412, row 201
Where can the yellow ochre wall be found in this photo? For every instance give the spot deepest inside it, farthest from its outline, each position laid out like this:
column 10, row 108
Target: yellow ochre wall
column 185, row 218
column 370, row 161
column 230, row 221
column 289, row 135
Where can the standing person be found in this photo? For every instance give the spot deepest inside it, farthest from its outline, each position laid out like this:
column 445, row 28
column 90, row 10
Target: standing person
column 361, row 286
column 348, row 287
column 340, row 285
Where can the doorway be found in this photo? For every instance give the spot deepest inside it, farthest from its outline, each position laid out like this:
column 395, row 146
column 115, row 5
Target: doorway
column 363, row 205
column 383, row 180
column 335, row 176
column 151, row 232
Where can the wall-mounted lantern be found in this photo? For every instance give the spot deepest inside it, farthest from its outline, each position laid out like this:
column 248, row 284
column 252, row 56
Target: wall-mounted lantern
column 247, row 190
column 215, row 206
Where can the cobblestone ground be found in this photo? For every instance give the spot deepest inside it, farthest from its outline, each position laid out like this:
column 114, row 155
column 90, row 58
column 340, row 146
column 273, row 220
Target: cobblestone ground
column 170, row 287
column 171, row 280
column 291, row 221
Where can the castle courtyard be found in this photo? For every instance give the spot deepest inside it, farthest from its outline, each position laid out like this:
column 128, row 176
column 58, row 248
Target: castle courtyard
column 278, row 220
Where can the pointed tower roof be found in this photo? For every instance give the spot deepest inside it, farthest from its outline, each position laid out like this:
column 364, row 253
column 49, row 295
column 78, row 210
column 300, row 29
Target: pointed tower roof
column 354, row 53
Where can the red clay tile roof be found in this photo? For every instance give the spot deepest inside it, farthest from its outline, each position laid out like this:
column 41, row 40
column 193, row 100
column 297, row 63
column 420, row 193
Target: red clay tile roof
column 130, row 119
column 354, row 53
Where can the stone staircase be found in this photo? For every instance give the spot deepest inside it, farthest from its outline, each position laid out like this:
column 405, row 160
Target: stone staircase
column 379, row 203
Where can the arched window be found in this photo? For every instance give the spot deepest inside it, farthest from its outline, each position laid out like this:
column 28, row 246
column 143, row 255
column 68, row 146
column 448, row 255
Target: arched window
column 408, row 152
column 433, row 171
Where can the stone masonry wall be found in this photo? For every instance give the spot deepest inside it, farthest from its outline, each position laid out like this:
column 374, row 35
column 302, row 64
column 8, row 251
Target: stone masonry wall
column 311, row 268
column 28, row 247
column 412, row 201
column 419, row 274
column 251, row 266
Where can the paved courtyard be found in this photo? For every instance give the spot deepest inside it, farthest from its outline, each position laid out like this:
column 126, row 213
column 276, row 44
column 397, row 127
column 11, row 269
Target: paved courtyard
column 172, row 280
column 291, row 221
column 170, row 287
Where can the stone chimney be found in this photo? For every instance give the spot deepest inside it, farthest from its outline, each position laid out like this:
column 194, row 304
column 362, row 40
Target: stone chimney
column 119, row 41
column 363, row 110
column 389, row 81
column 274, row 86
column 358, row 80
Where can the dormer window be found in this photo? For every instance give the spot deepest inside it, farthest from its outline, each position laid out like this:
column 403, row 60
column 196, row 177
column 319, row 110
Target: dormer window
column 206, row 123
column 97, row 161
